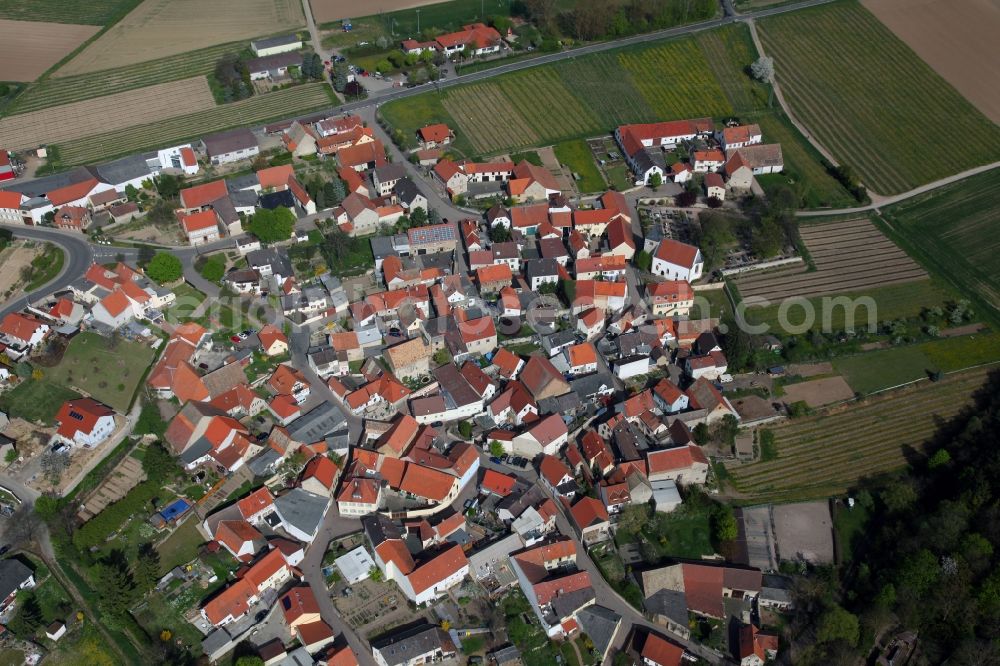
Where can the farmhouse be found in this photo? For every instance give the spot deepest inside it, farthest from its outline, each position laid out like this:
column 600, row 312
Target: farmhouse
column 231, row 146
column 478, row 38
column 742, row 164
column 273, row 66
column 275, row 45
column 634, row 141
column 739, row 136
column 433, row 136
column 201, row 227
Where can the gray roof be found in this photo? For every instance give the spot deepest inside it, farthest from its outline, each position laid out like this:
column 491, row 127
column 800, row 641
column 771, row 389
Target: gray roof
column 225, row 210
column 279, row 199
column 647, row 158
column 379, row 529
column 600, row 624
column 12, row 574
column 215, row 641
column 39, row 187
column 566, row 604
column 399, row 647
column 276, row 61
column 392, row 171
column 200, row 448
column 455, row 385
column 382, row 247
column 247, row 181
column 668, row 603
column 122, row 170
column 269, row 256
column 589, row 385
column 229, row 142
column 302, row 509
column 271, row 42
column 486, row 189
column 560, row 338
column 316, row 424
column 406, row 190
column 542, row 268
column 506, row 655
column 265, row 463
column 567, row 403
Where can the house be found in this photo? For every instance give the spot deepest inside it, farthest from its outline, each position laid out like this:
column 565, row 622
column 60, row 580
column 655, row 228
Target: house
column 301, row 512
column 507, row 363
column 531, row 183
column 556, row 590
column 14, row 576
column 420, row 644
column 541, row 272
column 582, row 358
column 273, row 341
column 705, row 161
column 705, row 589
column 710, row 366
column 739, row 136
column 715, row 186
column 752, row 647
column 409, row 195
column 591, row 521
column 231, row 146
column 658, row 651
column 643, row 143
column 23, row 331
column 73, row 218
column 268, row 574
column 601, row 267
column 84, row 422
column 273, row 45
column 670, row 298
column 201, row 227
column 620, row 240
column 685, row 465
column 452, row 176
column 606, row 296
column 300, row 140
column 546, row 436
column 479, row 336
column 542, row 379
column 677, row 261
column 742, row 164
column 493, row 278
column 286, row 380
column 669, row 398
column 359, row 497
column 556, row 476
column 409, row 359
column 433, row 238
column 386, row 176
column 55, row 631
column 240, row 538
column 10, row 208
column 274, row 66
column 434, row 136
column 299, row 607
column 363, row 156
column 472, row 39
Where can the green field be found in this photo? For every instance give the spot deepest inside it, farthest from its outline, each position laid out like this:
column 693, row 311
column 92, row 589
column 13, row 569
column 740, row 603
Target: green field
column 897, row 301
column 55, row 91
column 108, row 375
column 255, row 110
column 576, row 156
column 36, row 400
column 89, row 12
column 828, row 454
column 591, row 95
column 953, row 233
column 871, row 101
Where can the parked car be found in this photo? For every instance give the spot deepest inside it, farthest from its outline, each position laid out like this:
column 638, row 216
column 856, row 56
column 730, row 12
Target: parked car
column 495, row 460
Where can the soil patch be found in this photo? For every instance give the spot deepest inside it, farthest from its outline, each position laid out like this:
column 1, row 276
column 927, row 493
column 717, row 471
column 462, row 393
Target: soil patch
column 819, row 392
column 160, row 28
column 957, row 38
column 810, row 369
column 106, row 114
column 13, row 259
column 38, row 46
column 325, row 11
column 804, row 531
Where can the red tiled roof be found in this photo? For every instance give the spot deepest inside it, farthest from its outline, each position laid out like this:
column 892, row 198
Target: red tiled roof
column 489, row 275
column 681, row 457
column 497, row 483
column 441, row 566
column 202, row 195
column 275, row 177
column 206, row 219
column 255, row 502
column 439, row 132
column 80, row 416
column 64, row 195
column 425, row 482
column 234, row 533
column 662, row 652
column 297, row 602
column 589, row 511
column 553, row 470
column 19, row 326
column 676, row 252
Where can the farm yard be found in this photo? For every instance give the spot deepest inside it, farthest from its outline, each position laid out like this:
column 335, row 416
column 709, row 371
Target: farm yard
column 955, row 37
column 953, row 231
column 61, row 90
column 90, row 12
column 255, row 110
column 850, row 257
column 160, row 28
column 829, row 453
column 840, row 69
column 106, row 114
column 38, row 46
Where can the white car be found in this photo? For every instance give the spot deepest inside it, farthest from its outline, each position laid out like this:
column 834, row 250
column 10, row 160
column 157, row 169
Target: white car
column 726, row 379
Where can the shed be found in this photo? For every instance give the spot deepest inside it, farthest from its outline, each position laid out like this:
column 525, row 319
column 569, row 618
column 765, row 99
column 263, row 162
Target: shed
column 355, row 565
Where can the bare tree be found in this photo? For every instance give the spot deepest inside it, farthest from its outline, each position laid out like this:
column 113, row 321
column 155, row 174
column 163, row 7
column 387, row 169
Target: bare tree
column 763, row 69
column 53, row 465
column 22, row 527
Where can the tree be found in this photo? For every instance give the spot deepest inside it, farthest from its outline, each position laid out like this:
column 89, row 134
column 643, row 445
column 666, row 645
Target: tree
column 131, row 192
column 53, row 464
column 496, row 449
column 375, row 574
column 249, row 660
column 158, row 464
column 763, row 69
column 643, row 261
column 768, row 239
column 335, row 191
column 28, row 617
column 212, row 268
column 164, row 267
column 499, row 233
column 271, row 226
column 465, row 429
column 418, row 217
column 655, row 180
column 686, row 199
column 836, row 623
column 10, row 456
column 47, row 507
column 633, row 518
column 150, row 422
column 736, row 344
column 701, row 434
column 338, row 75
column 724, row 526
column 147, row 567
column 169, row 186
column 115, row 585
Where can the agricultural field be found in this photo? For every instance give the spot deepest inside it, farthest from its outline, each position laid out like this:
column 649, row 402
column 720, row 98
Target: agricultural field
column 897, row 301
column 953, row 231
column 433, row 13
column 600, row 81
column 90, row 12
column 160, row 28
column 255, row 110
column 829, row 453
column 727, row 51
column 849, row 256
column 107, row 114
column 65, row 89
column 955, row 37
column 109, row 375
column 38, row 46
column 840, row 69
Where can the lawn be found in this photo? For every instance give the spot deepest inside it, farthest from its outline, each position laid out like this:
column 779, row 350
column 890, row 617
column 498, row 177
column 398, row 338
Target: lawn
column 109, row 374
column 576, row 156
column 11, row 657
column 36, row 400
column 45, row 267
column 884, row 368
column 829, row 453
column 620, row 177
column 685, row 532
column 181, row 546
column 952, row 232
column 258, row 109
column 89, row 12
column 840, row 69
column 710, row 303
column 159, row 611
column 848, row 526
column 188, row 300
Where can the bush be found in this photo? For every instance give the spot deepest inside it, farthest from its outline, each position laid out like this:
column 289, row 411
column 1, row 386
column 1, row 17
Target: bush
column 213, row 268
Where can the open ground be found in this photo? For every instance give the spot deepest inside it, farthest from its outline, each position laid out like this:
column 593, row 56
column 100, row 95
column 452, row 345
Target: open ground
column 850, row 256
column 326, row 11
column 953, row 231
column 840, row 70
column 38, row 46
column 159, row 28
column 829, row 453
column 819, row 392
column 955, row 37
column 13, row 259
column 106, row 114
column 91, row 12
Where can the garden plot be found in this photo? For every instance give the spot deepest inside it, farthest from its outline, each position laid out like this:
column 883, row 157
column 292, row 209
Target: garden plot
column 849, row 257
column 105, row 114
column 124, row 477
column 38, row 46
